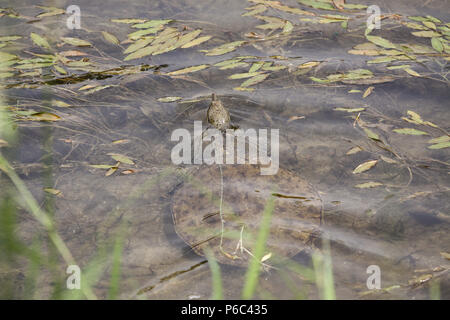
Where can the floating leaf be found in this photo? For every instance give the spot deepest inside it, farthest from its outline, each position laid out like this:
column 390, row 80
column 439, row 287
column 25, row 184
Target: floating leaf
column 308, row 65
column 50, row 11
column 440, row 139
column 5, row 56
column 368, row 91
column 365, row 166
column 169, row 99
column 10, row 38
column 138, row 34
column 225, row 48
column 370, row 184
column 188, row 70
column 243, row 75
column 102, row 166
column 410, row 131
column 379, row 41
column 55, row 192
column 426, row 34
column 61, row 104
column 255, row 80
column 196, row 42
column 266, row 257
column 111, row 171
column 44, row 116
column 445, row 255
column 151, row 24
column 429, row 25
column 255, row 10
column 110, row 38
column 121, row 158
column 350, row 109
column 277, row 5
column 437, row 45
column 388, row 160
column 60, row 69
column 139, row 44
column 441, row 145
column 353, row 150
column 317, row 5
column 76, row 42
column 128, row 21
column 412, row 72
column 39, row 40
column 188, row 37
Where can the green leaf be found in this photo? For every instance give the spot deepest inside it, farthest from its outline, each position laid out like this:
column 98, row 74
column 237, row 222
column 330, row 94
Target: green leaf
column 138, row 34
column 426, row 34
column 151, row 24
column 40, row 41
column 10, row 38
column 169, row 99
column 372, row 135
column 139, row 44
column 437, row 45
column 317, row 5
column 441, row 145
column 184, row 39
column 5, row 56
column 254, row 80
column 128, row 21
column 76, row 42
column 188, row 70
column 370, row 184
column 379, row 41
column 350, row 109
column 121, row 158
column 410, row 131
column 440, row 139
column 255, row 10
column 225, row 48
column 110, row 38
column 196, row 42
column 244, row 75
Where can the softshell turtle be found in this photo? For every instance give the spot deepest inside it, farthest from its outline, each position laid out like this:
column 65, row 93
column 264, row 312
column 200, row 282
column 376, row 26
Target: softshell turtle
column 221, row 207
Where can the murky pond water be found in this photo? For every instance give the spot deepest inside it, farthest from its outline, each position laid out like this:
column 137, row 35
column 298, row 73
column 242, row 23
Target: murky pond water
column 361, row 118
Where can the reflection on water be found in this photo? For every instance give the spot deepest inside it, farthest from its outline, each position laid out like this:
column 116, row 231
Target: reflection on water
column 394, row 215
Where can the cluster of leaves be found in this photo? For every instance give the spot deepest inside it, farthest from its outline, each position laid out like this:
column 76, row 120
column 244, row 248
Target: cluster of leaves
column 155, row 37
column 440, row 142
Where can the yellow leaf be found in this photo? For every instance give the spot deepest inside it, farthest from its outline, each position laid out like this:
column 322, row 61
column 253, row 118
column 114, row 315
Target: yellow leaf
column 365, row 166
column 368, row 92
